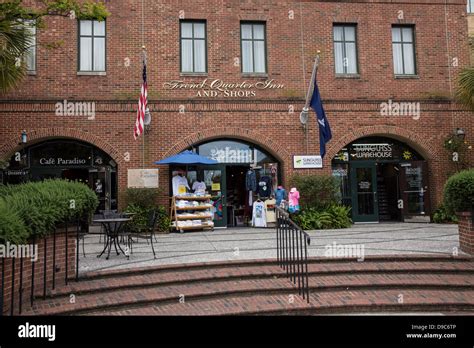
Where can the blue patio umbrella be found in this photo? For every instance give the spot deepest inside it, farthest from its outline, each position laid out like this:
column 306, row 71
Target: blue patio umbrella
column 188, row 158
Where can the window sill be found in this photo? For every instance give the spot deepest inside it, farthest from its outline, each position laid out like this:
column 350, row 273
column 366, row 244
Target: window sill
column 31, row 73
column 347, row 76
column 190, row 74
column 92, row 73
column 401, row 77
column 257, row 75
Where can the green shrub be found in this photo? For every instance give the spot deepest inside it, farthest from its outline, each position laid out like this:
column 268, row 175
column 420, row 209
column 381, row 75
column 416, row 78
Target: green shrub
column 316, row 191
column 459, row 192
column 40, row 206
column 441, row 216
column 331, row 217
column 12, row 228
column 141, row 201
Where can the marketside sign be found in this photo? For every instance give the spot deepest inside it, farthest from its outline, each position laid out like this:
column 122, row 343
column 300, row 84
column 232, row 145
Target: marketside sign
column 307, row 162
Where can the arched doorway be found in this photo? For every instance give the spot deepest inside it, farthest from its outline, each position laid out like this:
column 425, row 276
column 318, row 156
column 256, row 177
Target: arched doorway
column 226, row 181
column 383, row 179
column 66, row 159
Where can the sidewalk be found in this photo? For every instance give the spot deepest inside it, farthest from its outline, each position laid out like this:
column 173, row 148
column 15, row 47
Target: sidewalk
column 253, row 243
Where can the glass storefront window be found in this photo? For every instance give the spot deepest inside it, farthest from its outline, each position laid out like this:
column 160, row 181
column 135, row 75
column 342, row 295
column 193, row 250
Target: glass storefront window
column 234, row 152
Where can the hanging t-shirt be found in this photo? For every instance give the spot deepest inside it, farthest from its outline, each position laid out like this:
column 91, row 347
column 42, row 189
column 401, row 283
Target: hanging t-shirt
column 259, row 218
column 199, row 187
column 270, row 210
column 250, row 180
column 265, row 186
column 294, row 198
column 280, row 194
column 179, row 183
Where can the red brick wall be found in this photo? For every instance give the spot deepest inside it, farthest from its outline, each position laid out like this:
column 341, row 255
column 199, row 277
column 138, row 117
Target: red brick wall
column 352, row 104
column 39, row 270
column 466, row 232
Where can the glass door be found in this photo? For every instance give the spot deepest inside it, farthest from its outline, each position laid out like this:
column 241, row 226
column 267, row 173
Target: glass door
column 364, row 192
column 99, row 182
column 414, row 188
column 215, row 179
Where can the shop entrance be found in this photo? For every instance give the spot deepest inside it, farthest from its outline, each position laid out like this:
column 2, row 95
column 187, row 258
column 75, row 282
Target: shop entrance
column 67, row 159
column 226, row 182
column 383, row 179
column 364, row 192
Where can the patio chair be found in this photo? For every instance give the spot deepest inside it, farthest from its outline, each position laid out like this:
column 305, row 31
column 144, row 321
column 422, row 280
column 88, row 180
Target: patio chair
column 146, row 232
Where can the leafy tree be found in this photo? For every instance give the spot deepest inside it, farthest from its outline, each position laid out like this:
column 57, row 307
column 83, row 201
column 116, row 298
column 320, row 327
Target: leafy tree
column 15, row 38
column 465, row 89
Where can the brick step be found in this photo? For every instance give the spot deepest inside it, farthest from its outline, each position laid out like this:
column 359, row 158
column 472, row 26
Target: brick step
column 354, row 301
column 464, row 259
column 225, row 288
column 167, row 277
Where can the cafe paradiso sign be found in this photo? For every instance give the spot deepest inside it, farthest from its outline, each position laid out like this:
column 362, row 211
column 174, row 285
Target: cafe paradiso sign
column 218, row 88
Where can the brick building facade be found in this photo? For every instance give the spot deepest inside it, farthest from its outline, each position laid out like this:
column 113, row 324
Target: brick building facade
column 267, row 118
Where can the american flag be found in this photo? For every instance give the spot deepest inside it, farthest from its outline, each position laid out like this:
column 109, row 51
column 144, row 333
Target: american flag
column 142, row 104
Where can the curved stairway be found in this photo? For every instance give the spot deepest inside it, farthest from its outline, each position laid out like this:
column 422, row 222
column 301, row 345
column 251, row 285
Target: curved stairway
column 378, row 284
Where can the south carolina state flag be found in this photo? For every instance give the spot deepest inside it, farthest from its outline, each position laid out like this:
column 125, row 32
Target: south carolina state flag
column 324, row 130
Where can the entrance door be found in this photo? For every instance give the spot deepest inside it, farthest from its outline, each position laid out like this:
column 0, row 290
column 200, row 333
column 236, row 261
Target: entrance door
column 215, row 179
column 100, row 183
column 364, row 192
column 415, row 192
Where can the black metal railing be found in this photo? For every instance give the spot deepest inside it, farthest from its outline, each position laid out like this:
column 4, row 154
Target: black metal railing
column 41, row 284
column 292, row 251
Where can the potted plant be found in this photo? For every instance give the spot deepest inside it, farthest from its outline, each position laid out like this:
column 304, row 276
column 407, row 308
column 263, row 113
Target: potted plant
column 459, row 199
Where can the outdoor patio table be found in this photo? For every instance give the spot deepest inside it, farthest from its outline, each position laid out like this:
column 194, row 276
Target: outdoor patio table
column 112, row 227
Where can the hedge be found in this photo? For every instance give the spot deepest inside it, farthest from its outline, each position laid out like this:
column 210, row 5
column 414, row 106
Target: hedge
column 459, row 192
column 35, row 208
column 316, row 191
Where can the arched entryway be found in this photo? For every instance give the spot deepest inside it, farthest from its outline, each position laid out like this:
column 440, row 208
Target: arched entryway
column 383, row 179
column 66, row 159
column 227, row 180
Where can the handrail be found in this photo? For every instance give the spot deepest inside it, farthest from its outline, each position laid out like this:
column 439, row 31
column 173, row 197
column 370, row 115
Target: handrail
column 16, row 292
column 292, row 251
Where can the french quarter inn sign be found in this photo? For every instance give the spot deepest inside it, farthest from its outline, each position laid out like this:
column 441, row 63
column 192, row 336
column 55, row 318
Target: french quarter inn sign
column 220, row 88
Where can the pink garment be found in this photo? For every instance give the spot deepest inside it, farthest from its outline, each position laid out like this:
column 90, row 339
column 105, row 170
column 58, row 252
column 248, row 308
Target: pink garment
column 294, row 197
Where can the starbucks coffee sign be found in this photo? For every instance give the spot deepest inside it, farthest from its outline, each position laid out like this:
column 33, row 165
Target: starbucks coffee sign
column 221, row 89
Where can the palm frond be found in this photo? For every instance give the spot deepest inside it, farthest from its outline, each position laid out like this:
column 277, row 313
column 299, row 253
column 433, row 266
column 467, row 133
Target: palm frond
column 465, row 88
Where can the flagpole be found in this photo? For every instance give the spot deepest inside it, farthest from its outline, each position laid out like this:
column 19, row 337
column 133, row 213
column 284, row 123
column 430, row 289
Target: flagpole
column 305, row 110
column 311, row 83
column 144, row 133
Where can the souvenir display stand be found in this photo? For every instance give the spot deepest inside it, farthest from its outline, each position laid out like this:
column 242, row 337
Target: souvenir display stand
column 191, row 212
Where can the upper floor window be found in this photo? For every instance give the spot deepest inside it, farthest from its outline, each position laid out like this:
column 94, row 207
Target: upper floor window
column 403, row 45
column 91, row 45
column 470, row 6
column 193, row 47
column 30, row 56
column 253, row 48
column 345, row 49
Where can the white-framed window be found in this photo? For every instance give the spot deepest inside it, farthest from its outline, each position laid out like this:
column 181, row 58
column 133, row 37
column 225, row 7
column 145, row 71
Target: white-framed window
column 345, row 48
column 30, row 56
column 253, row 48
column 92, row 46
column 403, row 46
column 193, row 46
column 470, row 6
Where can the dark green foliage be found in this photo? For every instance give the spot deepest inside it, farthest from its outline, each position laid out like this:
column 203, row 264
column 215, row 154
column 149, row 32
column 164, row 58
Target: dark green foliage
column 316, row 191
column 35, row 208
column 441, row 216
column 459, row 192
column 331, row 217
column 141, row 202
